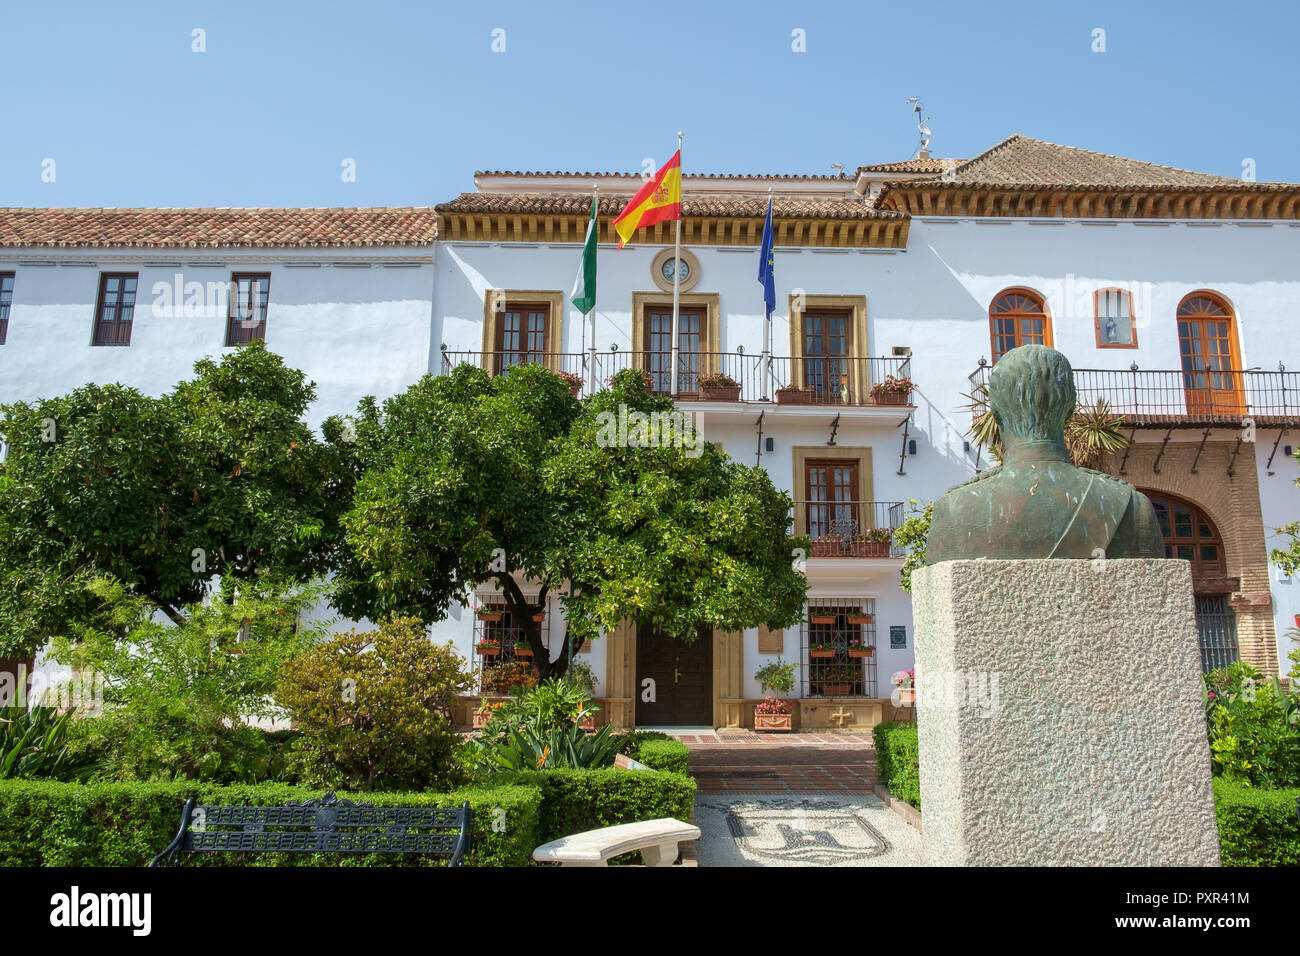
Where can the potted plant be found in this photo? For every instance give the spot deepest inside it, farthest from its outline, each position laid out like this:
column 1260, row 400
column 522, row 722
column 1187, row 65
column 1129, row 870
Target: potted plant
column 522, row 649
column 894, row 390
column 488, row 647
column 821, row 649
column 573, row 381
column 490, row 613
column 793, row 396
column 505, row 677
column 539, row 615
column 719, row 388
column 859, row 648
column 872, row 543
column 837, row 681
column 905, row 681
column 645, row 377
column 772, row 715
column 821, row 618
column 828, row 545
column 481, row 716
column 859, row 618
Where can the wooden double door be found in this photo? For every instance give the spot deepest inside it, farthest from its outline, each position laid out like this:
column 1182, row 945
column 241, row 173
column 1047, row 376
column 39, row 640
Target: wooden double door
column 674, row 680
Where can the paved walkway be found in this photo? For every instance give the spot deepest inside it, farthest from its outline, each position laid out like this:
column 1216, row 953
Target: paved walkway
column 746, row 762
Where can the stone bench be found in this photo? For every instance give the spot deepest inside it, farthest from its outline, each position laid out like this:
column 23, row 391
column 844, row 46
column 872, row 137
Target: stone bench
column 656, row 839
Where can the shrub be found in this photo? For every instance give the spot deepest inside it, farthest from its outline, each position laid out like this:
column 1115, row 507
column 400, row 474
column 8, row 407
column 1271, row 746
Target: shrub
column 527, row 749
column 44, row 823
column 669, row 755
column 1254, row 727
column 374, row 710
column 898, row 760
column 574, row 801
column 176, row 695
column 33, row 744
column 630, row 742
column 1257, row 827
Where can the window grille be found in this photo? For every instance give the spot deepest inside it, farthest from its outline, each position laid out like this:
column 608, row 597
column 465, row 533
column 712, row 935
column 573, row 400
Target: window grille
column 838, row 648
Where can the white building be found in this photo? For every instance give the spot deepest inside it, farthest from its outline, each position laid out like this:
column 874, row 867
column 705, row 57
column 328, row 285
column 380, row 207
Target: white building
column 1169, row 291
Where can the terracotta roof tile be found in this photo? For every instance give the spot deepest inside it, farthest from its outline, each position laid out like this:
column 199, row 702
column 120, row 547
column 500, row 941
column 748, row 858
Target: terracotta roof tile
column 927, row 165
column 741, row 177
column 1023, row 161
column 728, row 206
column 232, row 227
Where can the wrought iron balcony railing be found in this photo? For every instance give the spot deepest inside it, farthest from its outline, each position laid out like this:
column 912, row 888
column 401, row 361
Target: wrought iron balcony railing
column 1165, row 398
column 849, row 529
column 808, row 380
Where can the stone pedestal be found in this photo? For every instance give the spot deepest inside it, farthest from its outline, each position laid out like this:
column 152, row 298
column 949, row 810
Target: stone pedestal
column 1060, row 712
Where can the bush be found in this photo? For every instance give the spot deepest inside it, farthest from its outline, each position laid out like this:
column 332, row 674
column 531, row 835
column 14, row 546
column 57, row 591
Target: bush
column 630, row 742
column 1257, row 827
column 574, row 801
column 34, row 745
column 374, row 710
column 1254, row 727
column 898, row 761
column 44, row 823
column 668, row 755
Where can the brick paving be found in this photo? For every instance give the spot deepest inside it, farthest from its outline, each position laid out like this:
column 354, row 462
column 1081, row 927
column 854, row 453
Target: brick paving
column 807, row 763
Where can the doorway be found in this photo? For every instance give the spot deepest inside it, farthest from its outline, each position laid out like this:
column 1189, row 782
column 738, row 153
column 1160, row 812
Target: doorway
column 1210, row 377
column 682, row 674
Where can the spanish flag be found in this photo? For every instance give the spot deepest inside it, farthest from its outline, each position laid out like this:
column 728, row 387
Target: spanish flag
column 659, row 200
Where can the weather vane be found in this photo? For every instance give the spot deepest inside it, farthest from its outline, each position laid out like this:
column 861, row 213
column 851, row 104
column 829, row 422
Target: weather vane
column 921, row 124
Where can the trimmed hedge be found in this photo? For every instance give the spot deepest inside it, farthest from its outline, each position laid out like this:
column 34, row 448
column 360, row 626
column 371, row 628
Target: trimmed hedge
column 898, row 761
column 574, row 801
column 669, row 755
column 1257, row 827
column 44, row 823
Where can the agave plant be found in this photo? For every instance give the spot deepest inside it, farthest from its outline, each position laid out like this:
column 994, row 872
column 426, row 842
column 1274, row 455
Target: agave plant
column 1091, row 433
column 33, row 744
column 527, row 749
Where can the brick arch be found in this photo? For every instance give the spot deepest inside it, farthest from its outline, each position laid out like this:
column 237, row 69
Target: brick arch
column 1204, row 533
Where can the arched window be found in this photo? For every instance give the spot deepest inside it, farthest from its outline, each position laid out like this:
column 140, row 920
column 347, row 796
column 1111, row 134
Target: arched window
column 1206, row 348
column 1018, row 317
column 1189, row 534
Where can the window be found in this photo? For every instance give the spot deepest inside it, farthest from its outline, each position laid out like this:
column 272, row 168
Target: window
column 1189, row 535
column 1116, row 327
column 658, row 347
column 1211, row 381
column 1216, row 631
column 839, row 644
column 522, row 336
column 115, row 309
column 504, row 663
column 832, row 502
column 826, row 354
column 6, row 299
column 248, row 297
column 1018, row 317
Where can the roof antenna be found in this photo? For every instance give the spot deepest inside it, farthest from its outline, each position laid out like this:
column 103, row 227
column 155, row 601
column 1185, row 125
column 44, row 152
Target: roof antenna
column 923, row 151
column 839, row 169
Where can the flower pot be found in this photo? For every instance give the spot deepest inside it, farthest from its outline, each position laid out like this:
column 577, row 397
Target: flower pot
column 826, row 548
column 793, row 396
column 720, row 393
column 523, row 652
column 821, row 653
column 861, row 651
column 822, row 619
column 489, row 652
column 587, row 723
column 836, row 690
column 491, row 616
column 773, row 723
column 539, row 618
column 907, row 696
column 890, row 398
column 859, row 618
column 480, row 720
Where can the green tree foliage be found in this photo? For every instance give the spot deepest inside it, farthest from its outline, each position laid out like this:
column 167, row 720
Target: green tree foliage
column 178, row 697
column 1288, row 558
column 374, row 709
column 219, row 477
column 469, row 478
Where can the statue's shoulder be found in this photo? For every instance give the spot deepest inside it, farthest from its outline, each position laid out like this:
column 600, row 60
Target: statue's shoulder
column 982, row 476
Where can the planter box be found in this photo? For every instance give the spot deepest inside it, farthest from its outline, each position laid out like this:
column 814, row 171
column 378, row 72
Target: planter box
column 907, row 697
column 587, row 723
column 539, row 618
column 488, row 651
column 861, row 651
column 890, row 398
column 793, row 396
column 821, row 653
column 870, row 549
column 480, row 720
column 720, row 393
column 823, row 548
column 491, row 616
column 523, row 652
column 859, row 618
column 836, row 690
column 822, row 619
column 773, row 723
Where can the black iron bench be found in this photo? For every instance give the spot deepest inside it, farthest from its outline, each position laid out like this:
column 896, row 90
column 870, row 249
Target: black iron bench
column 323, row 825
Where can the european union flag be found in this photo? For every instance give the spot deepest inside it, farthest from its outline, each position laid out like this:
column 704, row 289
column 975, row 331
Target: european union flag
column 767, row 265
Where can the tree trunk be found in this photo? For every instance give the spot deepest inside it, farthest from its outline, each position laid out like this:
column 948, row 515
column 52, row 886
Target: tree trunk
column 522, row 611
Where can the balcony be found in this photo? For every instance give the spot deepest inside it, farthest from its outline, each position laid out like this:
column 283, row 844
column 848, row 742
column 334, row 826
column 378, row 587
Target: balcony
column 1191, row 399
column 841, row 381
column 849, row 529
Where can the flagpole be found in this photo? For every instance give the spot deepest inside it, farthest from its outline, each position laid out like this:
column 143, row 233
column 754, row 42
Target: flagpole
column 677, row 276
column 767, row 329
column 591, row 316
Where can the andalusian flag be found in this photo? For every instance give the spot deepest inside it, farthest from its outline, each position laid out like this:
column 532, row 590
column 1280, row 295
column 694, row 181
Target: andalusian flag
column 584, row 286
column 659, row 200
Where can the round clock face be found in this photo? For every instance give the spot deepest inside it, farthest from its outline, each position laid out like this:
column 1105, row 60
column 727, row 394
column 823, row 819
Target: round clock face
column 683, row 269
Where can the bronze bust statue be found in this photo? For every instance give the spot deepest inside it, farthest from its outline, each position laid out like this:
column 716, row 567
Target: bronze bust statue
column 1037, row 504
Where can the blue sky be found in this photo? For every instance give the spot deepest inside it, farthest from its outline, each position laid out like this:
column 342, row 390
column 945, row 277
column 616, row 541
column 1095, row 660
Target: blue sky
column 415, row 95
